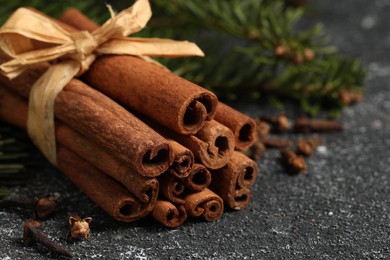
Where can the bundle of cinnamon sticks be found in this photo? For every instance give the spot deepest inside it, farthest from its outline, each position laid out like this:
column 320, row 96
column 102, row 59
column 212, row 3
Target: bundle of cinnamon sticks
column 139, row 140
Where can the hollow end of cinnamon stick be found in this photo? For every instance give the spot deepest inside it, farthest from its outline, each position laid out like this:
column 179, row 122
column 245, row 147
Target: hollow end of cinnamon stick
column 240, row 200
column 183, row 160
column 153, row 161
column 149, row 190
column 168, row 214
column 232, row 182
column 198, row 179
column 171, row 188
column 246, row 135
column 180, row 167
column 216, row 146
column 205, row 204
column 195, row 111
column 248, row 171
column 243, row 127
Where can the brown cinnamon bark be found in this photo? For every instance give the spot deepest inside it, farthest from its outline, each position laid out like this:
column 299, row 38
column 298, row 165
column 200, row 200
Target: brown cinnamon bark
column 243, row 127
column 148, row 89
column 183, row 160
column 198, row 179
column 232, row 182
column 144, row 188
column 74, row 18
column 104, row 122
column 212, row 146
column 169, row 214
column 13, row 109
column 171, row 188
column 103, row 190
column 205, row 204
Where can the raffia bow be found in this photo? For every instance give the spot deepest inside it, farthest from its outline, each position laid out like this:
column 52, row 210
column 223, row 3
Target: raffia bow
column 30, row 38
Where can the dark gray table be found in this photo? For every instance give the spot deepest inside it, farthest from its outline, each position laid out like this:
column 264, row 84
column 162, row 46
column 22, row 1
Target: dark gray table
column 339, row 210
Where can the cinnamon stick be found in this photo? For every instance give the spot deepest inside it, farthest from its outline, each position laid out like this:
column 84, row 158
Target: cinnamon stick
column 13, row 109
column 243, row 127
column 169, row 214
column 232, row 182
column 148, row 89
column 182, row 161
column 205, row 204
column 103, row 190
column 198, row 179
column 144, row 188
column 213, row 145
column 171, row 188
column 107, row 124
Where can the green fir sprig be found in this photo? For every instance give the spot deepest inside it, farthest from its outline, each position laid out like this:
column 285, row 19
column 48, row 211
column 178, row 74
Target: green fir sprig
column 255, row 49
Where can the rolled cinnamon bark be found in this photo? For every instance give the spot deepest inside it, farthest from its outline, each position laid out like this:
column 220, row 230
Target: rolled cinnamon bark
column 243, row 127
column 106, row 123
column 168, row 214
column 198, row 179
column 103, row 190
column 205, row 204
column 171, row 188
column 183, row 160
column 13, row 109
column 148, row 89
column 232, row 182
column 144, row 188
column 212, row 146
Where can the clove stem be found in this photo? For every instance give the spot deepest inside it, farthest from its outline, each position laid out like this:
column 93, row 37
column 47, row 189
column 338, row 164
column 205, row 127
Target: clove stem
column 33, row 234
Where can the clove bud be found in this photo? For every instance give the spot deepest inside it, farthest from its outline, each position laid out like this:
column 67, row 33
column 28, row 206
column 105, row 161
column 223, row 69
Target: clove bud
column 294, row 163
column 79, row 228
column 32, row 233
column 280, row 122
column 306, row 147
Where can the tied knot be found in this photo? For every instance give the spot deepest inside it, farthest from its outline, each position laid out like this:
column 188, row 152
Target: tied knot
column 30, row 38
column 85, row 44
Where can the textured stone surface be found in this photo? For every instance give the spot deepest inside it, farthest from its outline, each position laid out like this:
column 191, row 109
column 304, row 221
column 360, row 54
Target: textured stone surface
column 339, row 210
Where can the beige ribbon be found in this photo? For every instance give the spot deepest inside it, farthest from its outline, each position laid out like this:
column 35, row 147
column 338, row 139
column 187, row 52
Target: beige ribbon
column 30, row 38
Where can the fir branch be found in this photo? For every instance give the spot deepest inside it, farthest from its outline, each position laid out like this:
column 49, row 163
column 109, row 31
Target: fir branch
column 253, row 47
column 269, row 55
